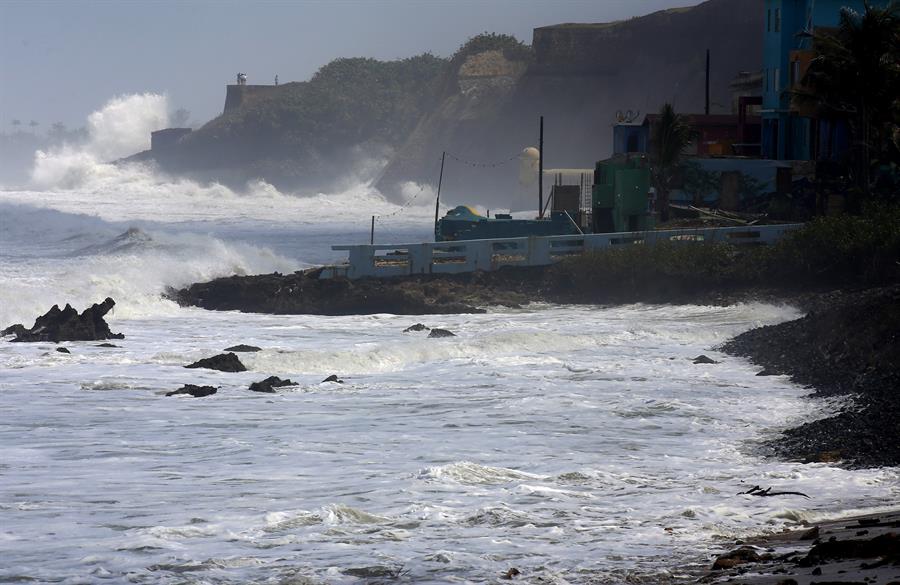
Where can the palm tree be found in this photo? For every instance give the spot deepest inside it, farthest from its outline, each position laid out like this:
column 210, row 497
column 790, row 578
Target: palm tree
column 856, row 76
column 672, row 134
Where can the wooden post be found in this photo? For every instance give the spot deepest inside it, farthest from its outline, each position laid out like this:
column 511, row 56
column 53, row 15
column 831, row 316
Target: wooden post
column 372, row 232
column 437, row 201
column 541, row 172
column 706, row 109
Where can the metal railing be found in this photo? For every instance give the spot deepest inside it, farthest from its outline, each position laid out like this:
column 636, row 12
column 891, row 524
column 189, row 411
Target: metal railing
column 387, row 260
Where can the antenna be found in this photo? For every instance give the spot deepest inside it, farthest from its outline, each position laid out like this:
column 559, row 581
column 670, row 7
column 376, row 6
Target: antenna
column 706, row 109
column 541, row 172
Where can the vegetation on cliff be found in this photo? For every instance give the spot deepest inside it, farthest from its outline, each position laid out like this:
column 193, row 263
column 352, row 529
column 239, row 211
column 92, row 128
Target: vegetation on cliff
column 351, row 109
column 347, row 103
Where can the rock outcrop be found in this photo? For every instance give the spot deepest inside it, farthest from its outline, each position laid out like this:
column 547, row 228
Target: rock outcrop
column 243, row 348
column 305, row 293
column 225, row 362
column 270, row 383
column 68, row 325
column 195, row 391
column 437, row 332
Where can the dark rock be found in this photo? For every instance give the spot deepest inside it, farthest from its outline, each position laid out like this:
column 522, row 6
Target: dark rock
column 63, row 350
column 702, row 359
column 333, row 378
column 67, row 325
column 869, row 521
column 306, row 293
column 270, row 383
column 738, row 556
column 416, row 327
column 243, row 348
column 195, row 391
column 881, row 546
column 816, row 571
column 768, row 373
column 811, row 534
column 17, row 330
column 437, row 332
column 106, row 345
column 513, row 572
column 225, row 362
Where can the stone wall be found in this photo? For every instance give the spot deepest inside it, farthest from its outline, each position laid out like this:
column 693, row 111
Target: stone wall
column 237, row 95
column 166, row 138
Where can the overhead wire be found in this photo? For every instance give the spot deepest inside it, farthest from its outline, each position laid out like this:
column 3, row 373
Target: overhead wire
column 380, row 218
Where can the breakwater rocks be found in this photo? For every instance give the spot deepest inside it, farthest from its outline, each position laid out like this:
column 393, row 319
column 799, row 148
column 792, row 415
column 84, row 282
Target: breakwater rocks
column 849, row 344
column 305, row 293
column 68, row 325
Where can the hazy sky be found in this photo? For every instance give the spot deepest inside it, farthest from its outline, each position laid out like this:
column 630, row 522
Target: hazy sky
column 61, row 60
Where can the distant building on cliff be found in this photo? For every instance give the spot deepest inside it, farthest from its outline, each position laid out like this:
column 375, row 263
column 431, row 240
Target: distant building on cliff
column 789, row 132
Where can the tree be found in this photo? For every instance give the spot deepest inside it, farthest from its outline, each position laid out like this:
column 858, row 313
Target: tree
column 16, row 123
column 700, row 182
column 34, row 124
column 855, row 75
column 672, row 134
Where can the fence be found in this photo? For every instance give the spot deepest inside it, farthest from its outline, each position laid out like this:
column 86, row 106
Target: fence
column 388, row 260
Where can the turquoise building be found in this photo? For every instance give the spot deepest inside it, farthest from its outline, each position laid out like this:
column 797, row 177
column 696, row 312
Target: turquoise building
column 789, row 132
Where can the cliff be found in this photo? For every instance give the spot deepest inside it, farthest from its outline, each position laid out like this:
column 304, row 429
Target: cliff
column 309, row 134
column 578, row 77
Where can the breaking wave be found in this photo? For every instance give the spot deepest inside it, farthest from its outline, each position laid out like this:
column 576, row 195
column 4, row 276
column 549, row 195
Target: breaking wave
column 81, row 260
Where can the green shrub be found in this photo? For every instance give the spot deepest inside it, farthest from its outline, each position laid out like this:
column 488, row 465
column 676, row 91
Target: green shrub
column 841, row 249
column 829, row 251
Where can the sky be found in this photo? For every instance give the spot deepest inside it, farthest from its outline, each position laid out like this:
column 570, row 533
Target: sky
column 61, row 60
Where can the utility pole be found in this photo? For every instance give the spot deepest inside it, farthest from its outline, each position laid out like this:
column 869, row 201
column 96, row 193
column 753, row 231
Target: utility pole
column 706, row 109
column 541, row 172
column 437, row 202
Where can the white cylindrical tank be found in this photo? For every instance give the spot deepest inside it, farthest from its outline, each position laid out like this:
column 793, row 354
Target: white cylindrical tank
column 528, row 166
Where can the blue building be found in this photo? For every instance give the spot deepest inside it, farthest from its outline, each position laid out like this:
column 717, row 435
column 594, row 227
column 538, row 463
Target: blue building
column 789, row 132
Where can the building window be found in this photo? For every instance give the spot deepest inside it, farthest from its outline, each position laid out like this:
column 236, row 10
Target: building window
column 766, row 78
column 777, row 19
column 777, row 81
column 795, row 73
column 769, row 20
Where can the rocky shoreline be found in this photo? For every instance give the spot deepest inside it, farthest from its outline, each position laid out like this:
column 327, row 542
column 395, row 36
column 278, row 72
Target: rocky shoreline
column 847, row 345
column 303, row 293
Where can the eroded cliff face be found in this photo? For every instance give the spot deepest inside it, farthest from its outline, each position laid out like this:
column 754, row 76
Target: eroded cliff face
column 581, row 74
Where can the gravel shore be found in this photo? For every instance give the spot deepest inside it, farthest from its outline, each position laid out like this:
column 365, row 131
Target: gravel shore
column 848, row 344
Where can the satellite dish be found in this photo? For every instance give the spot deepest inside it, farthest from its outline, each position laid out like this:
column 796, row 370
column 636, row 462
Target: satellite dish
column 620, row 117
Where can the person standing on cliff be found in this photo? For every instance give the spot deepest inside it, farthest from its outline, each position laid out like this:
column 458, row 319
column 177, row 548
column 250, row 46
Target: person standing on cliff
column 276, row 79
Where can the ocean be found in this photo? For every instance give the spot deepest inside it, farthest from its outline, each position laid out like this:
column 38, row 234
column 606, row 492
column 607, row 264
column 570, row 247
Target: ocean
column 576, row 444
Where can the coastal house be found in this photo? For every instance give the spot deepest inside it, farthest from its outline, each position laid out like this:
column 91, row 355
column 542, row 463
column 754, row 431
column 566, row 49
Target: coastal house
column 717, row 134
column 790, row 132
